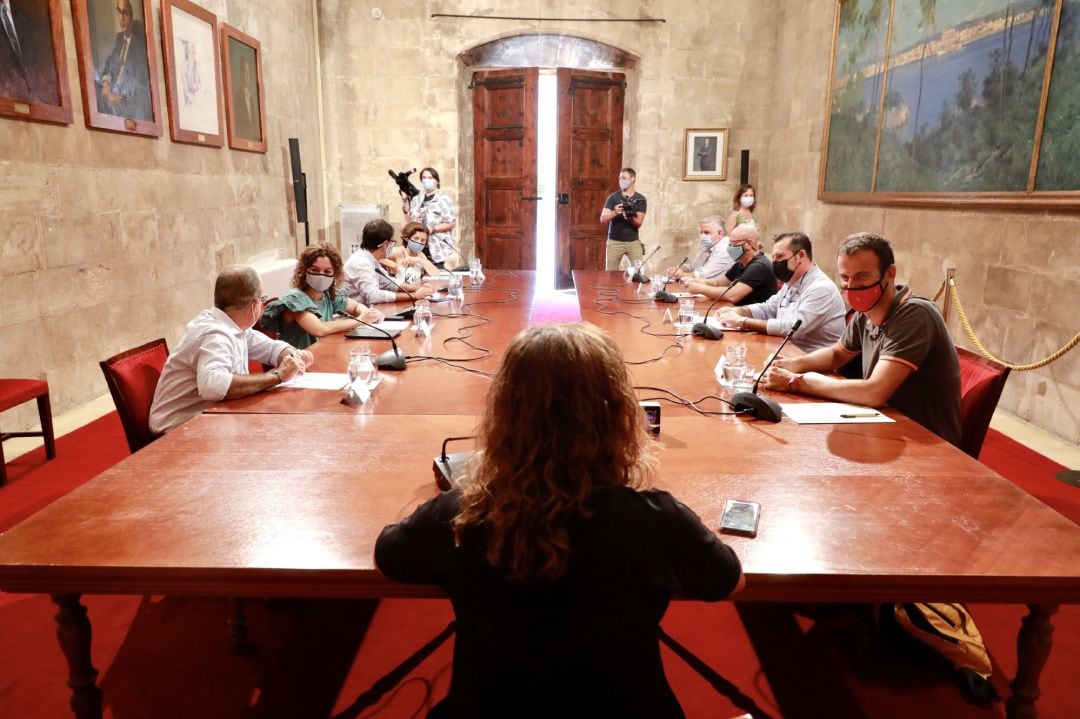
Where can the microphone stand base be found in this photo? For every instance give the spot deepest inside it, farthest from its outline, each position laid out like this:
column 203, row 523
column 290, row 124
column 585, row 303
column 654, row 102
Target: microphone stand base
column 759, row 407
column 391, row 360
column 446, row 467
column 701, row 329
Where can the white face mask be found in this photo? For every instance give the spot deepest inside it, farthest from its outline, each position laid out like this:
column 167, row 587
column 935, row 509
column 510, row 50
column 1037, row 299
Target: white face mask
column 746, row 201
column 428, row 183
column 706, row 240
column 624, row 184
column 319, row 283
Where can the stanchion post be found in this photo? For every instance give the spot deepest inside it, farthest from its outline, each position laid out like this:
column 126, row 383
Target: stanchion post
column 950, row 275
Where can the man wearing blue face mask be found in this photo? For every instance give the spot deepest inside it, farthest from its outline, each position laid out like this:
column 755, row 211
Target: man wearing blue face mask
column 713, row 259
column 908, row 357
column 750, row 278
column 624, row 213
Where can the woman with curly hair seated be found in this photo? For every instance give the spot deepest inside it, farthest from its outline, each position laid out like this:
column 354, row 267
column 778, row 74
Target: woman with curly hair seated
column 307, row 312
column 558, row 560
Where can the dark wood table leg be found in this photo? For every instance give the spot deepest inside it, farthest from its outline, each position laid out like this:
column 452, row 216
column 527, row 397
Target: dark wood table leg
column 1033, row 645
column 73, row 632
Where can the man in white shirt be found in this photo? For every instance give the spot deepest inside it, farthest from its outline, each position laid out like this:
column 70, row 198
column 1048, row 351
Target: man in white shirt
column 211, row 362
column 366, row 280
column 808, row 294
column 713, row 260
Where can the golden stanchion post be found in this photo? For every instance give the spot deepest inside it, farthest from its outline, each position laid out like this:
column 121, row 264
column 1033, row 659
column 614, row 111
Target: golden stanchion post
column 950, row 275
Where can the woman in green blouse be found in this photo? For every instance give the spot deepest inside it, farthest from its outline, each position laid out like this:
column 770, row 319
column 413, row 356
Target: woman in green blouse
column 306, row 312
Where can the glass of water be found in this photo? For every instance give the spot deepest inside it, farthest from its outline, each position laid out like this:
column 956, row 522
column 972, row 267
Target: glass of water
column 454, row 290
column 422, row 318
column 475, row 271
column 686, row 311
column 362, row 366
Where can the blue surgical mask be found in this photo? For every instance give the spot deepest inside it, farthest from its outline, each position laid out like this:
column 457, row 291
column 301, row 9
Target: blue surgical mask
column 735, row 251
column 415, row 247
column 428, row 183
column 706, row 240
column 624, row 184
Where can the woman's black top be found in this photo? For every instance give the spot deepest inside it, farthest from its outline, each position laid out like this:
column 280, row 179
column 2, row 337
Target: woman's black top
column 585, row 645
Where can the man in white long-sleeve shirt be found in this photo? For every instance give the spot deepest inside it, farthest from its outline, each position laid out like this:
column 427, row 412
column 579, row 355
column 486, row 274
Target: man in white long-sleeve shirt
column 211, row 362
column 808, row 294
column 366, row 280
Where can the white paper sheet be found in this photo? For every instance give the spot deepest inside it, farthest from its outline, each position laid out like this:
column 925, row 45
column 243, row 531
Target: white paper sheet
column 832, row 413
column 318, row 380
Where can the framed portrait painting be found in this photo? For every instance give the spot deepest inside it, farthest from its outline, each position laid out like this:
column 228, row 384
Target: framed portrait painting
column 705, row 154
column 33, row 62
column 245, row 107
column 117, row 65
column 192, row 73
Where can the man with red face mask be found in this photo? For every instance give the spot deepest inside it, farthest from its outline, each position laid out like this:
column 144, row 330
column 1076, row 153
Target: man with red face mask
column 908, row 357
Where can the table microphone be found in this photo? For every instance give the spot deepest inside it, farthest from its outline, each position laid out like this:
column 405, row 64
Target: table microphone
column 445, row 465
column 702, row 329
column 675, row 270
column 763, row 407
column 637, row 276
column 393, row 359
column 406, row 313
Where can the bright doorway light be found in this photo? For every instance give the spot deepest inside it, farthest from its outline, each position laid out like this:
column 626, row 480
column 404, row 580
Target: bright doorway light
column 547, row 119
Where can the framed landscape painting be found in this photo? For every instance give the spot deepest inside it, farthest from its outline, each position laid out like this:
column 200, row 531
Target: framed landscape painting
column 947, row 103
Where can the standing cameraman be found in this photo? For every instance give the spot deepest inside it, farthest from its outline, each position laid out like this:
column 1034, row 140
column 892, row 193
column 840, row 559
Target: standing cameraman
column 624, row 213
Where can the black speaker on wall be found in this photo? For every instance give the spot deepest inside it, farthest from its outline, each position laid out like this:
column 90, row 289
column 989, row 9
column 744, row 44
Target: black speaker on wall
column 744, row 168
column 299, row 183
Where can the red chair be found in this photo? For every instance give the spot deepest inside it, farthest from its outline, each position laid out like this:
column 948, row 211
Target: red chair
column 981, row 382
column 132, row 377
column 14, row 392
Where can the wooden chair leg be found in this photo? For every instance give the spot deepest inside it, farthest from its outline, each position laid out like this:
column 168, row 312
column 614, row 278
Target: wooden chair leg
column 45, row 416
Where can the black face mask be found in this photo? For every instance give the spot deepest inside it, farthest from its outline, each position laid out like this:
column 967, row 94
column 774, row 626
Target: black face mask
column 782, row 271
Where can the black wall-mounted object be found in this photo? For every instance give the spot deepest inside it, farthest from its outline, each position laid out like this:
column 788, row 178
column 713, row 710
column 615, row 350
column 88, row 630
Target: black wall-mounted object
column 744, row 168
column 299, row 181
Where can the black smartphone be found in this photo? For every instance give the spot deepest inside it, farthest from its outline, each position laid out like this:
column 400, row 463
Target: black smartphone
column 740, row 517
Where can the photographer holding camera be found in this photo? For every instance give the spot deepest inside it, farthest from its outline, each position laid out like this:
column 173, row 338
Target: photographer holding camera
column 624, row 213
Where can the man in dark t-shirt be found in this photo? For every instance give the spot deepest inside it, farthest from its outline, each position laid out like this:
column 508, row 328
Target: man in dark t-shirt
column 624, row 213
column 749, row 281
column 908, row 357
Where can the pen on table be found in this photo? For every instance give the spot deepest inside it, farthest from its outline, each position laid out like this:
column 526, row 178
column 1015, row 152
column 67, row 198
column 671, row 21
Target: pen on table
column 860, row 415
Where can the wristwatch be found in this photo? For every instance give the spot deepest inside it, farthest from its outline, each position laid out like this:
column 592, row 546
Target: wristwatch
column 277, row 373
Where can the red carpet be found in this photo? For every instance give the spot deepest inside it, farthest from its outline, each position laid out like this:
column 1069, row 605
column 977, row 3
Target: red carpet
column 167, row 658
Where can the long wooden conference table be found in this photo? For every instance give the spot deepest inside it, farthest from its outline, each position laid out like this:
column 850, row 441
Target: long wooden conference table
column 284, row 493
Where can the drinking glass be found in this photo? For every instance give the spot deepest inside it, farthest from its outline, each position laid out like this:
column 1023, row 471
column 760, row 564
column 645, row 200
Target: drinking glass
column 745, row 381
column 422, row 318
column 362, row 366
column 475, row 271
column 655, row 285
column 686, row 311
column 454, row 290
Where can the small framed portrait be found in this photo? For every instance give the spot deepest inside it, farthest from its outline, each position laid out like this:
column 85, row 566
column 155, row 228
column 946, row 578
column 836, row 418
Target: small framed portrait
column 705, row 154
column 117, row 65
column 241, row 56
column 33, row 62
column 192, row 71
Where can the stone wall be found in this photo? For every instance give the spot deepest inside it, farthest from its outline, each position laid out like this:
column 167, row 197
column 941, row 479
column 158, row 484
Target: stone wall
column 1017, row 271
column 110, row 241
column 394, row 95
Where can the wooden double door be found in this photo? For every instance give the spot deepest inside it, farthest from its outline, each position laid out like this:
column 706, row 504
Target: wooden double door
column 590, row 119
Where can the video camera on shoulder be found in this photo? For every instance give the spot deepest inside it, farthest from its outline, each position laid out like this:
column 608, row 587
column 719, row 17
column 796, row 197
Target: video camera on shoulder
column 631, row 206
column 404, row 185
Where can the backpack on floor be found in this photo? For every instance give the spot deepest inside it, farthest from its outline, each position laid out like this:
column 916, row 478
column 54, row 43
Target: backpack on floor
column 948, row 631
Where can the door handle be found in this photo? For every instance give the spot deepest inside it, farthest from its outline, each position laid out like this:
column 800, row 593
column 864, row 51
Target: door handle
column 564, row 198
column 534, row 198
